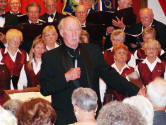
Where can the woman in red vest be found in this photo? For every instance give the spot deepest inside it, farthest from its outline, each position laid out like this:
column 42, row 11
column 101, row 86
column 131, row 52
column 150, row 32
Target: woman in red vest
column 13, row 57
column 29, row 76
column 120, row 54
column 151, row 67
column 30, row 72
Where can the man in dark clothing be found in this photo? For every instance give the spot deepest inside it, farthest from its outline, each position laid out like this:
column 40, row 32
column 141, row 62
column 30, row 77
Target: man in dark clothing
column 74, row 65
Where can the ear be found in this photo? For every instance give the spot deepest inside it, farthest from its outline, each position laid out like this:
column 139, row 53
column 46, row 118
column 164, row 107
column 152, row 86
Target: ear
column 61, row 32
column 76, row 108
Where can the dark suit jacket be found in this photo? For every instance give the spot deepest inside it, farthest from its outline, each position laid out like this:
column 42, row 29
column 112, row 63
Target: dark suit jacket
column 159, row 27
column 10, row 19
column 53, row 80
column 57, row 18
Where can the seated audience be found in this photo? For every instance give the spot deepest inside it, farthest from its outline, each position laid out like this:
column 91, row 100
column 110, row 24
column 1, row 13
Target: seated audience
column 118, row 36
column 12, row 105
column 118, row 113
column 84, row 38
column 143, row 105
column 36, row 111
column 29, row 76
column 120, row 54
column 7, row 118
column 148, row 33
column 156, row 92
column 50, row 37
column 151, row 67
column 84, row 101
column 13, row 57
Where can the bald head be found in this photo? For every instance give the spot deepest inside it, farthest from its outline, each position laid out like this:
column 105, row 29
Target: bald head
column 122, row 4
column 81, row 13
column 146, row 16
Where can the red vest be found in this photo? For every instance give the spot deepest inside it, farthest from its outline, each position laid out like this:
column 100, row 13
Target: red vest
column 14, row 67
column 112, row 94
column 147, row 76
column 109, row 57
column 33, row 79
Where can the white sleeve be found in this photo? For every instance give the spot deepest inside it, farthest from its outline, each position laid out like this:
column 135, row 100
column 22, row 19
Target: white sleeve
column 22, row 79
column 132, row 61
column 103, row 87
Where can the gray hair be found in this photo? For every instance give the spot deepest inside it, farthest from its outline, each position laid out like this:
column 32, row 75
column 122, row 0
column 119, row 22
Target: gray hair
column 12, row 105
column 156, row 91
column 85, row 99
column 118, row 113
column 143, row 105
column 7, row 118
column 64, row 20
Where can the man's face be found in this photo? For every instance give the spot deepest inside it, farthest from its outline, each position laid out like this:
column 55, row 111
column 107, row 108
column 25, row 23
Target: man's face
column 146, row 17
column 14, row 6
column 33, row 13
column 81, row 14
column 124, row 4
column 51, row 6
column 3, row 4
column 86, row 3
column 71, row 33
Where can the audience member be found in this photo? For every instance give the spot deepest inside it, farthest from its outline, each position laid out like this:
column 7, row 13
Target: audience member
column 13, row 57
column 156, row 92
column 143, row 105
column 118, row 113
column 84, row 101
column 76, row 65
column 14, row 7
column 12, row 105
column 36, row 111
column 7, row 118
column 118, row 36
column 51, row 15
column 151, row 67
column 50, row 37
column 29, row 76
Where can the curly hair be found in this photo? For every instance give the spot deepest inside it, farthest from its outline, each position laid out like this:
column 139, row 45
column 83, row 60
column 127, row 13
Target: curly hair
column 36, row 112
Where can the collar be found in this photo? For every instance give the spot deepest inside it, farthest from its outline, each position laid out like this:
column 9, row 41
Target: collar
column 7, row 51
column 32, row 22
column 14, row 13
column 125, row 66
column 33, row 62
column 110, row 49
column 146, row 60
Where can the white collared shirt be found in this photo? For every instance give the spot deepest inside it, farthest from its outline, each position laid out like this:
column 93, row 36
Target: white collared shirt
column 116, row 68
column 151, row 66
column 23, row 81
column 2, row 21
column 50, row 19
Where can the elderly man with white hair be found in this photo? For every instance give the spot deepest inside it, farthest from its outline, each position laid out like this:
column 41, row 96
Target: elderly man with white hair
column 156, row 92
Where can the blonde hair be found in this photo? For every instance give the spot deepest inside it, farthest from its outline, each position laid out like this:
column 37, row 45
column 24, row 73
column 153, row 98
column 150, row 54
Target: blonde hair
column 154, row 42
column 35, row 42
column 48, row 28
column 118, row 32
column 11, row 0
column 149, row 30
column 120, row 46
column 14, row 32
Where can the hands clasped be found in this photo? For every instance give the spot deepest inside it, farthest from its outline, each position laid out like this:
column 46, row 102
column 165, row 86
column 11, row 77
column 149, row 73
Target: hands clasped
column 73, row 74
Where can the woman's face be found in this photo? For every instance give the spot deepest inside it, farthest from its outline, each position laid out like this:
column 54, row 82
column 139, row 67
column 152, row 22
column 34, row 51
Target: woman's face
column 116, row 40
column 50, row 37
column 121, row 55
column 14, row 41
column 148, row 36
column 38, row 50
column 151, row 51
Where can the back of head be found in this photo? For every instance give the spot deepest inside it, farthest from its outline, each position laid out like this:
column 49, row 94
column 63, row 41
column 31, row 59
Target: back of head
column 156, row 92
column 7, row 118
column 12, row 105
column 118, row 113
column 143, row 105
column 85, row 99
column 36, row 112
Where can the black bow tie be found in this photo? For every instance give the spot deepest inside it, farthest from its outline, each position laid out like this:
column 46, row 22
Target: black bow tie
column 52, row 16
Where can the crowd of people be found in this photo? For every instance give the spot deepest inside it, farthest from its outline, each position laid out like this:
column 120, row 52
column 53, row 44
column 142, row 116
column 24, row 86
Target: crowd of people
column 83, row 60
